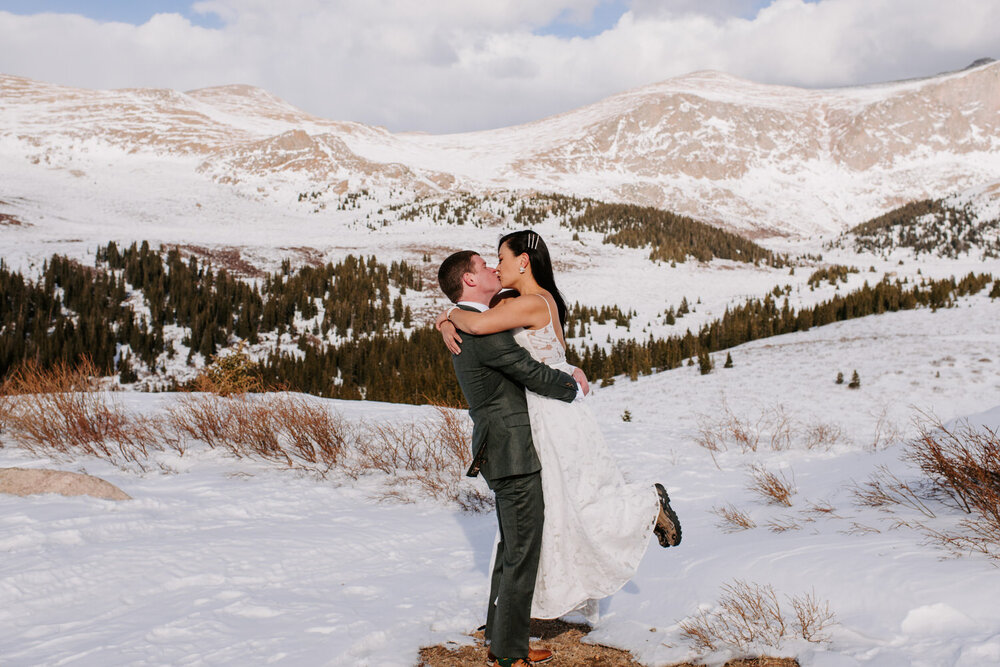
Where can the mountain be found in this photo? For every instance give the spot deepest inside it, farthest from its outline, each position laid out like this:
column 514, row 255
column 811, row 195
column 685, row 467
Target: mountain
column 766, row 160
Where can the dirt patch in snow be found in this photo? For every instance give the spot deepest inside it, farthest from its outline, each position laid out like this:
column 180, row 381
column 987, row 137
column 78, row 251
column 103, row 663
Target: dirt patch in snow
column 564, row 640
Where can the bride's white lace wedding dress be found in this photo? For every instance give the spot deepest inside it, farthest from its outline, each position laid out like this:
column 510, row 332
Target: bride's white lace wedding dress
column 597, row 526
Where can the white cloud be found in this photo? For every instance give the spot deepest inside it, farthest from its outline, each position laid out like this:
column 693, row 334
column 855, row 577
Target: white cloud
column 451, row 65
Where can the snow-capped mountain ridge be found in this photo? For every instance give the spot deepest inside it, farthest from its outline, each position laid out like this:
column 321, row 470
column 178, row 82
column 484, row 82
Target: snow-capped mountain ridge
column 762, row 158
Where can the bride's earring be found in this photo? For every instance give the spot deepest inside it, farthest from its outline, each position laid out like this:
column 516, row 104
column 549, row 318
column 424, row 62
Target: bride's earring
column 520, row 270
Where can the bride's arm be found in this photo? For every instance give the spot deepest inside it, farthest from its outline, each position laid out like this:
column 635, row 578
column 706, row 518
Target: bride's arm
column 449, row 333
column 522, row 311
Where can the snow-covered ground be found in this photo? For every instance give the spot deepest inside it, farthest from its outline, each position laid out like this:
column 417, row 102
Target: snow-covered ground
column 222, row 561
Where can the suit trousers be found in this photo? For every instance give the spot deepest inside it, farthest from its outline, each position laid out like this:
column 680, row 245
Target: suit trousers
column 520, row 513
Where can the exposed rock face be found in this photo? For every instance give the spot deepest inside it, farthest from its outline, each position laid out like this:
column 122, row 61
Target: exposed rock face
column 761, row 158
column 28, row 481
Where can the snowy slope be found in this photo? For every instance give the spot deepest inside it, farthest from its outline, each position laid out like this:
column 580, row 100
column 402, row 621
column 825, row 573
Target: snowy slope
column 760, row 158
column 217, row 561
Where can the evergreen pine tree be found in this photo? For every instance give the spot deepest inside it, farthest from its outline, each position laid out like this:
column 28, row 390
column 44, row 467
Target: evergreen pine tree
column 855, row 381
column 729, row 360
column 704, row 362
column 840, row 378
column 126, row 374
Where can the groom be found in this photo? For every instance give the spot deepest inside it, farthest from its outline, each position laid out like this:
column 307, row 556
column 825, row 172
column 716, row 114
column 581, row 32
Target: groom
column 493, row 371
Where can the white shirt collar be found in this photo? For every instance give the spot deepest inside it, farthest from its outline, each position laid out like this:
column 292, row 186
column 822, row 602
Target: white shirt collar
column 481, row 307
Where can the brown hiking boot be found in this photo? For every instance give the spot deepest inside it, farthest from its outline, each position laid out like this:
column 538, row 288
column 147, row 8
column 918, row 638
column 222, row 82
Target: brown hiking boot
column 536, row 656
column 668, row 526
column 516, row 663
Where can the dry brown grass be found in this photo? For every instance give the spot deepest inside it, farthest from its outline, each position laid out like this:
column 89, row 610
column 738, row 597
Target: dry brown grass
column 885, row 490
column 775, row 489
column 962, row 464
column 887, row 432
column 785, row 524
column 564, row 640
column 61, row 411
column 428, row 456
column 821, row 509
column 963, row 467
column 823, row 436
column 772, row 428
column 282, row 428
column 749, row 615
column 733, row 519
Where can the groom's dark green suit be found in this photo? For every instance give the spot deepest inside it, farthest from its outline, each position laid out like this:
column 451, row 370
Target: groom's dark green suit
column 493, row 371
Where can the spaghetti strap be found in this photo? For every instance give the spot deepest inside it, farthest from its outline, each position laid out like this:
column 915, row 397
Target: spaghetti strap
column 547, row 307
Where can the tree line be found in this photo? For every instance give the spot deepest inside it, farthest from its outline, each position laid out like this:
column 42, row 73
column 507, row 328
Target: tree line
column 353, row 339
column 929, row 226
column 761, row 318
column 670, row 237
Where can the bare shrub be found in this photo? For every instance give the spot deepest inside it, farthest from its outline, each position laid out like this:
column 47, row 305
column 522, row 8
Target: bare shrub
column 775, row 489
column 316, row 435
column 887, row 432
column 743, row 432
column 884, row 490
column 61, row 410
column 823, row 436
column 784, row 524
column 733, row 519
column 253, row 431
column 821, row 509
column 812, row 617
column 772, row 427
column 781, row 428
column 711, row 438
column 860, row 529
column 963, row 466
column 275, row 427
column 430, row 456
column 200, row 417
column 749, row 615
column 5, row 407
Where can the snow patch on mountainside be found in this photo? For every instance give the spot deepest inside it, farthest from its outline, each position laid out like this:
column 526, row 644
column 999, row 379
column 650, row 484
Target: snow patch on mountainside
column 767, row 160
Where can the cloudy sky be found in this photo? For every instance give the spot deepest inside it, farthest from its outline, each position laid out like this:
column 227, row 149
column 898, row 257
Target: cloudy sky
column 457, row 65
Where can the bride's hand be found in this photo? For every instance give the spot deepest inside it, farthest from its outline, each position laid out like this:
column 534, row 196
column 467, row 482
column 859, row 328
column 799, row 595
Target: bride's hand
column 450, row 335
column 441, row 319
column 581, row 379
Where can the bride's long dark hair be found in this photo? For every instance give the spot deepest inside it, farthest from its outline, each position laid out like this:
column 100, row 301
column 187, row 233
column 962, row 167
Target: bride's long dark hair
column 529, row 242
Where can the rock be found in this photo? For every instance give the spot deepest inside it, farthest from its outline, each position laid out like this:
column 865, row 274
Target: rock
column 27, row 481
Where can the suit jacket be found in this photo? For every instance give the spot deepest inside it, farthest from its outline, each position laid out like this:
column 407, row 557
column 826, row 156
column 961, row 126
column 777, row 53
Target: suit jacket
column 493, row 371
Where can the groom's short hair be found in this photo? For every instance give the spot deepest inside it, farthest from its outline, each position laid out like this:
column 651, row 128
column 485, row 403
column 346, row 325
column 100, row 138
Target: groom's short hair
column 451, row 272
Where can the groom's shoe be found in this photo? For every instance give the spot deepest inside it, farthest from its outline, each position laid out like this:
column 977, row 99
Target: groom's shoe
column 536, row 656
column 668, row 527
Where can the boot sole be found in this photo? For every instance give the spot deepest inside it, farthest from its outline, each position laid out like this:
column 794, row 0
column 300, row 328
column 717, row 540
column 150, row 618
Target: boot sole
column 663, row 535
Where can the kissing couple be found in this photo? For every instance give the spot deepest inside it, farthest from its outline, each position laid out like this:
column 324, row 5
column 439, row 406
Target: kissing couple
column 571, row 530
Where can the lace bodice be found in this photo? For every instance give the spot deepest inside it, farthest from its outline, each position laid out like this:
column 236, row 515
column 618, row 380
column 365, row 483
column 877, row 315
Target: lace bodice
column 543, row 343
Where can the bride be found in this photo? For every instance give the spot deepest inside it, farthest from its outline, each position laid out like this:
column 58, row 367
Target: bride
column 596, row 526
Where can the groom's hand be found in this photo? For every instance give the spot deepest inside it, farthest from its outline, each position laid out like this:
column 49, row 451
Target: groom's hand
column 581, row 379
